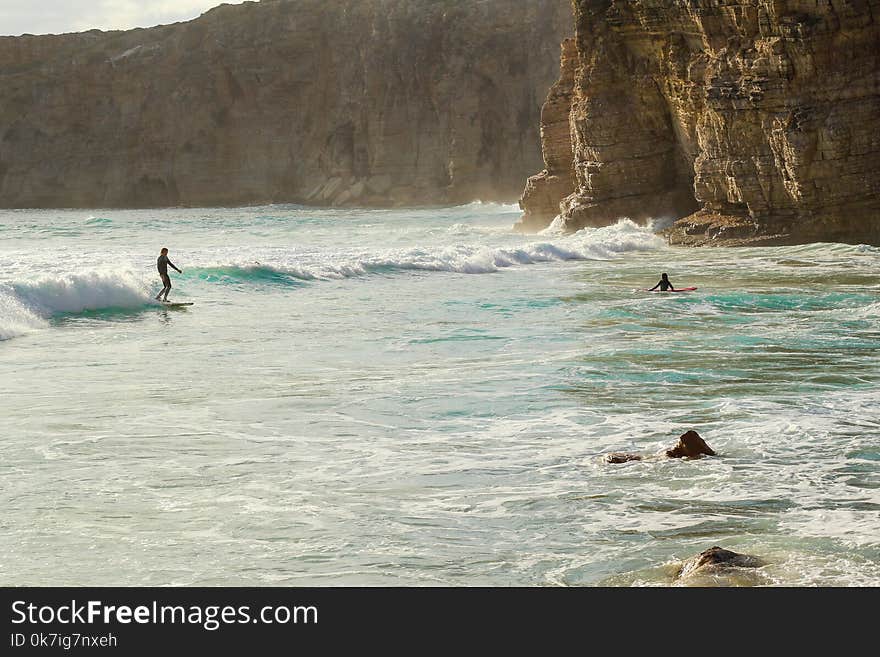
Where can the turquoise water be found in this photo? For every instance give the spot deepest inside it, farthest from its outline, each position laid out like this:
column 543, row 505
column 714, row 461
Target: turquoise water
column 423, row 397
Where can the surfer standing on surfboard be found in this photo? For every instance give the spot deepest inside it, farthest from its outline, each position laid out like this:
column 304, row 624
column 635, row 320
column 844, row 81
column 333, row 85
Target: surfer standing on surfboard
column 664, row 284
column 162, row 265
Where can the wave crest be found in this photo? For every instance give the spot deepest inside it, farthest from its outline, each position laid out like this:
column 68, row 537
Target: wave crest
column 74, row 293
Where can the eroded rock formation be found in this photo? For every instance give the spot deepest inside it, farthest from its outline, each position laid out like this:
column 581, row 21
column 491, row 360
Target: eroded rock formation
column 749, row 121
column 369, row 102
column 543, row 191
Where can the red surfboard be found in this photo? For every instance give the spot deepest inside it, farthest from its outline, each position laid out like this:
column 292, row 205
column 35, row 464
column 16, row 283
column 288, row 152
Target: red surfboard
column 681, row 289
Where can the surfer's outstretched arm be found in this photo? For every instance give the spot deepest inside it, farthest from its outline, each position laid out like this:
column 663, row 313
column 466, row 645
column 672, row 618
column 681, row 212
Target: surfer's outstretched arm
column 174, row 267
column 654, row 288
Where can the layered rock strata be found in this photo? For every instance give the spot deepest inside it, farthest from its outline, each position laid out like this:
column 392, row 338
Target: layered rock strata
column 351, row 102
column 748, row 121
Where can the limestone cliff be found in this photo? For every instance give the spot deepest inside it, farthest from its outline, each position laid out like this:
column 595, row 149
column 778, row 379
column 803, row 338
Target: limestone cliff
column 371, row 102
column 749, row 121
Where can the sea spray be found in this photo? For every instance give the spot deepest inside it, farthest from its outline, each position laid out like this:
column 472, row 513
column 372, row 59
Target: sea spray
column 556, row 227
column 15, row 318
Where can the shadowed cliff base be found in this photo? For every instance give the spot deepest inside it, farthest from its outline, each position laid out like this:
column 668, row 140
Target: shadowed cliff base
column 752, row 123
column 354, row 102
column 853, row 225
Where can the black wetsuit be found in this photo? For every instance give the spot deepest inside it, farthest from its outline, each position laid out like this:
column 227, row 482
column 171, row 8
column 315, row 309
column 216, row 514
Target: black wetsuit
column 664, row 285
column 162, row 265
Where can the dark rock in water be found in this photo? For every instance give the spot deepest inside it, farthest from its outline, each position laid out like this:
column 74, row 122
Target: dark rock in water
column 716, row 562
column 690, row 445
column 621, row 457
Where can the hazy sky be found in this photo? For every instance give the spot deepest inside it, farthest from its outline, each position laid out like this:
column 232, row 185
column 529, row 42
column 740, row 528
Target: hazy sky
column 58, row 16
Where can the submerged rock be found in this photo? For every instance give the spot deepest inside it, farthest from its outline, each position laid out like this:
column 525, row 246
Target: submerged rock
column 719, row 567
column 621, row 457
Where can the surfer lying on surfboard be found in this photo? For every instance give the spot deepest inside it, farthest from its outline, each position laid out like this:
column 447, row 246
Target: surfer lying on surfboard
column 162, row 265
column 664, row 284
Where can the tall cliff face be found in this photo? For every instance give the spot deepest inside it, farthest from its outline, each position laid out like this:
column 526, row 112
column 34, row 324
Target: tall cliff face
column 372, row 102
column 750, row 121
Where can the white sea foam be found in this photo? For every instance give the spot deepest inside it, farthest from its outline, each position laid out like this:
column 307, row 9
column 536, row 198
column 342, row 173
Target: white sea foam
column 493, row 205
column 15, row 318
column 477, row 229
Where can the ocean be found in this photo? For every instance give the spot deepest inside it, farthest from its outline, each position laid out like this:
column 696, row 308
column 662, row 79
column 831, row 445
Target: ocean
column 424, row 397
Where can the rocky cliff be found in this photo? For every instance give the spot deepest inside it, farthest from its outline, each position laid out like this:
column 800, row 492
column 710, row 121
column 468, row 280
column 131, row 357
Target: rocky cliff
column 544, row 190
column 748, row 121
column 372, row 102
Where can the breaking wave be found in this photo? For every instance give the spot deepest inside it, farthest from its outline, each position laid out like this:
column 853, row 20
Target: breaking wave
column 27, row 306
column 588, row 244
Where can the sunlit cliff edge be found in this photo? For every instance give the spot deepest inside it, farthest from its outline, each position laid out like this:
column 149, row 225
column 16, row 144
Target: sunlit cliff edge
column 747, row 121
